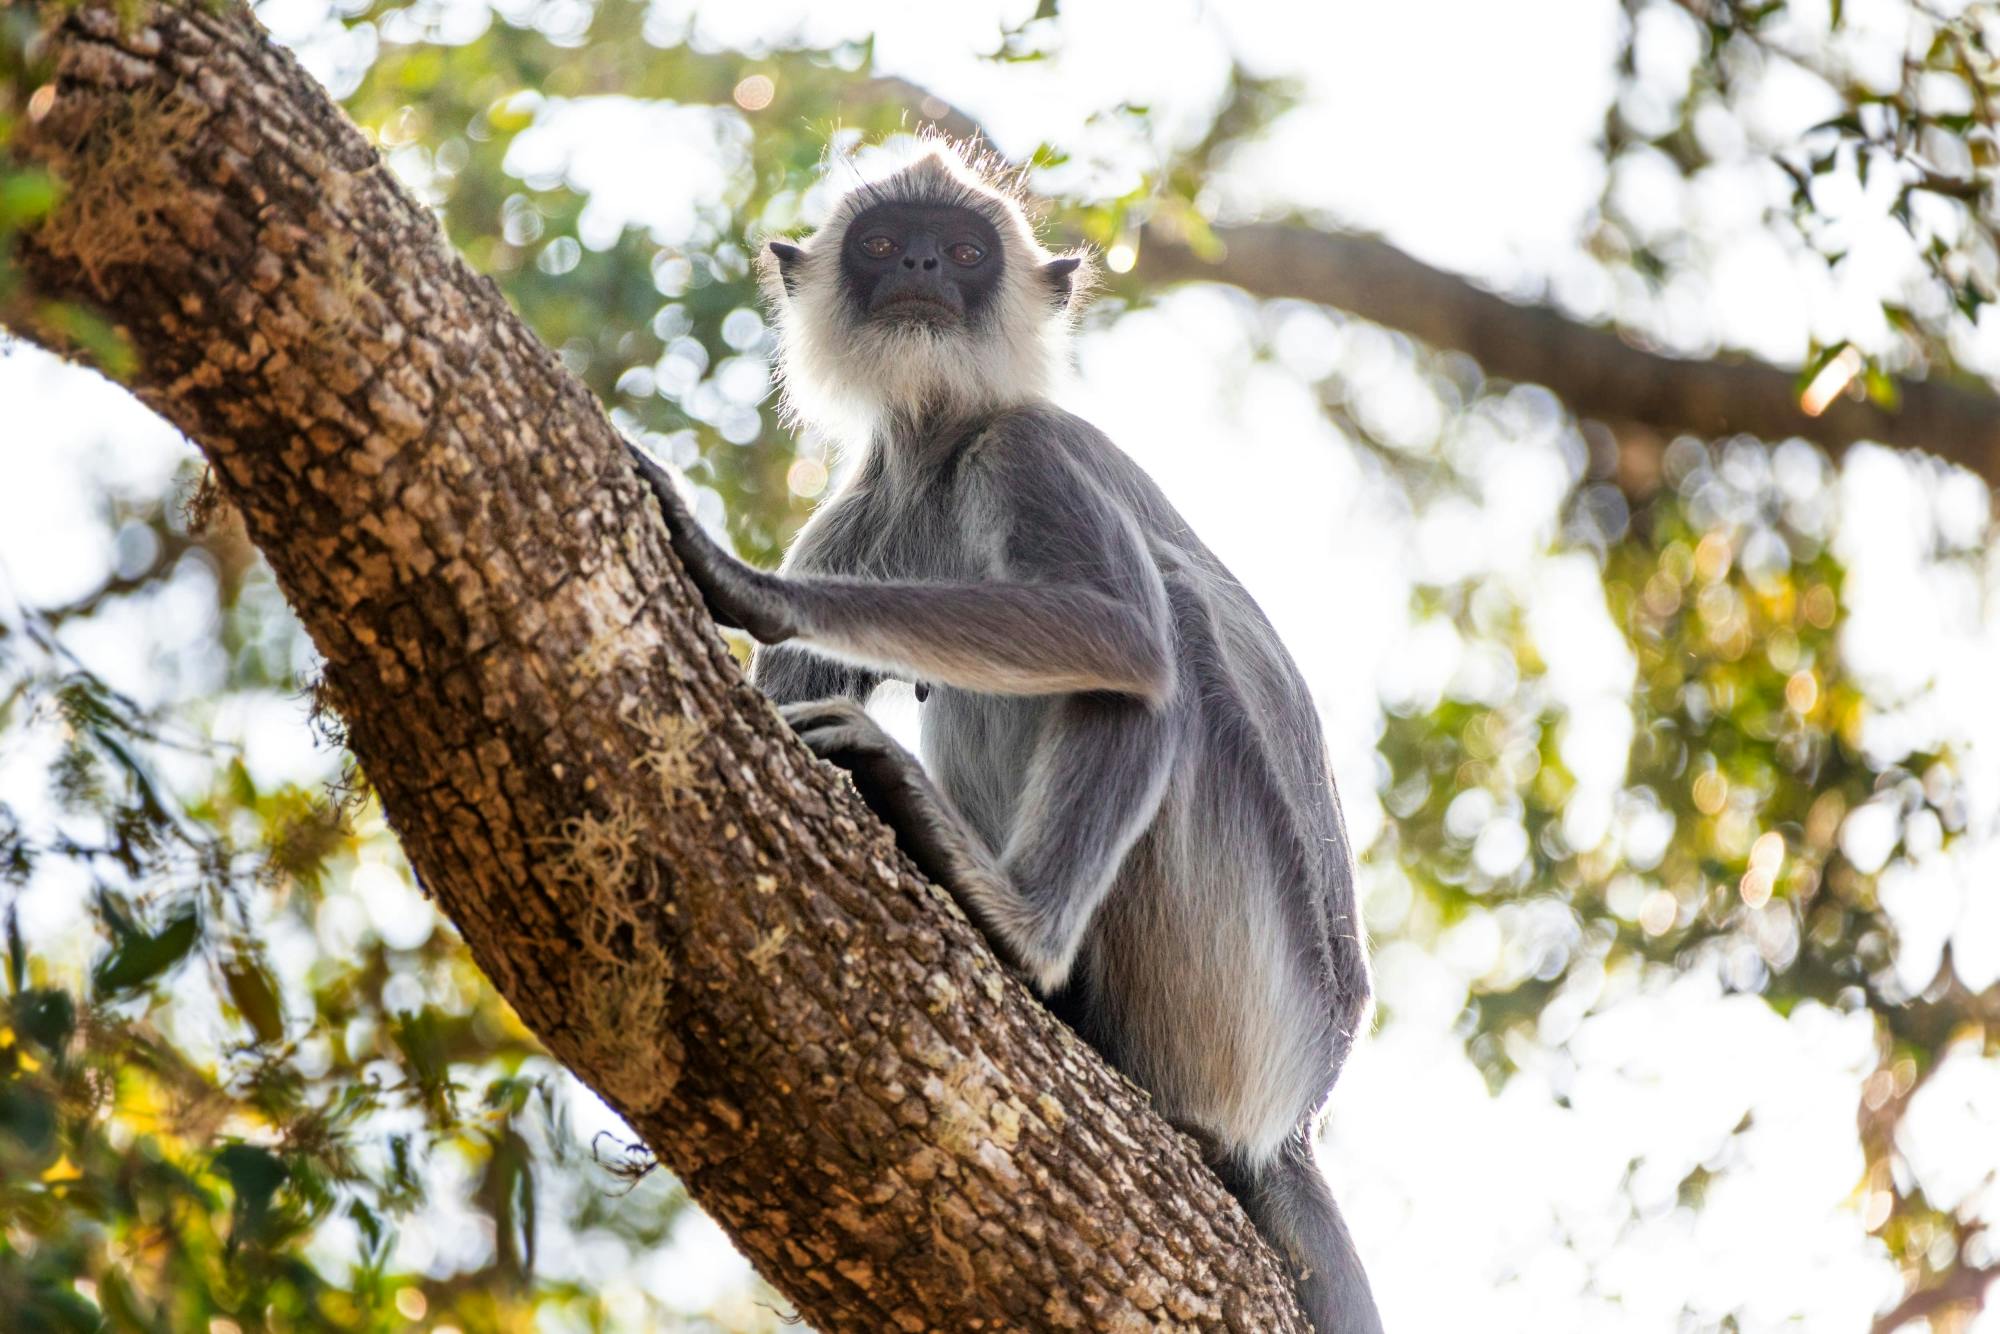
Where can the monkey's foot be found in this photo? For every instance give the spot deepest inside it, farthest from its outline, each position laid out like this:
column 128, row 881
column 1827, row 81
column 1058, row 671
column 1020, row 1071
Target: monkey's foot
column 889, row 779
column 839, row 731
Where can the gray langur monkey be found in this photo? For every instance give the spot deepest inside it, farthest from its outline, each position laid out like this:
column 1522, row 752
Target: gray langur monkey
column 1124, row 780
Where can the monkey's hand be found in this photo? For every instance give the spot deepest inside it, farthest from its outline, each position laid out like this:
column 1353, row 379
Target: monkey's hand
column 894, row 785
column 737, row 596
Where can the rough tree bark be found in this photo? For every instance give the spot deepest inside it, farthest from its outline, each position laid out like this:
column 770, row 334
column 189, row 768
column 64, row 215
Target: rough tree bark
column 697, row 918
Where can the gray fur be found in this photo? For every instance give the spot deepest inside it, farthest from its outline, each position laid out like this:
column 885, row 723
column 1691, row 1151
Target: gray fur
column 1124, row 781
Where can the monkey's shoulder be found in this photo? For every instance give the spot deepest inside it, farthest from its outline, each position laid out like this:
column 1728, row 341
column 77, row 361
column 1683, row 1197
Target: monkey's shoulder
column 1033, row 434
column 1043, row 451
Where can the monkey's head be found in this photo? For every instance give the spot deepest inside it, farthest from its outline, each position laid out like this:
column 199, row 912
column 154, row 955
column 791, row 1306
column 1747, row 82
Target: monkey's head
column 925, row 292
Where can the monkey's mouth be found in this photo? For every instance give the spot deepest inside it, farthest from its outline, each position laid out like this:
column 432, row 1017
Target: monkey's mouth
column 916, row 308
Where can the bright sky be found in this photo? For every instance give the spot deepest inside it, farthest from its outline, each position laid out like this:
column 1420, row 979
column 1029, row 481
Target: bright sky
column 1463, row 133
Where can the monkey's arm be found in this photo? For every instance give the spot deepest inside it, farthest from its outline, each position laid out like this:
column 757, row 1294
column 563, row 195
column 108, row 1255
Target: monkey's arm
column 998, row 638
column 1092, row 789
column 1059, row 634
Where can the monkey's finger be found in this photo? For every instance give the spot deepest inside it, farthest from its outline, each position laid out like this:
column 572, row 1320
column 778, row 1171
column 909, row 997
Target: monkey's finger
column 819, row 712
column 691, row 541
column 833, row 740
column 691, row 544
column 846, row 745
column 657, row 480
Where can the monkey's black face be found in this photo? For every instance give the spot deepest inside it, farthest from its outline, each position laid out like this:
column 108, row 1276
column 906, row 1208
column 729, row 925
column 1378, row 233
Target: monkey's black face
column 923, row 264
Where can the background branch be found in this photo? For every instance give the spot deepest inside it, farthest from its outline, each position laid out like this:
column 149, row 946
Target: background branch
column 1594, row 370
column 1960, row 1288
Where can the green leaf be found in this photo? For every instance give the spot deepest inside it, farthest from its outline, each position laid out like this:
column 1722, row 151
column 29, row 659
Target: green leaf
column 45, row 1016
column 1882, row 388
column 121, row 1305
column 254, row 1174
column 28, row 1118
column 256, row 996
column 242, row 788
column 508, row 1194
column 49, row 1307
column 418, row 1037
column 139, row 958
column 17, row 954
column 514, row 112
column 374, row 1234
column 95, row 337
column 26, row 197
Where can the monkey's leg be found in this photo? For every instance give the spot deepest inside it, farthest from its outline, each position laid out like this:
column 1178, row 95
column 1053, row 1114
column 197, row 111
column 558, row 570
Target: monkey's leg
column 1087, row 798
column 895, row 786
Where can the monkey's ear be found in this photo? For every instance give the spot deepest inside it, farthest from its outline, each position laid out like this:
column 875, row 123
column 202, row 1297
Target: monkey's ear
column 788, row 257
column 1060, row 277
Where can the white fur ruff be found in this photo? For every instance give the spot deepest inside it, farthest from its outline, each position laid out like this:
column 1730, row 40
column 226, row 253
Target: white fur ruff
column 844, row 374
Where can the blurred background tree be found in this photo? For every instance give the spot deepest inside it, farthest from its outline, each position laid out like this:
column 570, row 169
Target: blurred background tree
column 1671, row 747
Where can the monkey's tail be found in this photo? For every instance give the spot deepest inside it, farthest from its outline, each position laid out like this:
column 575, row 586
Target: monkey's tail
column 1292, row 1206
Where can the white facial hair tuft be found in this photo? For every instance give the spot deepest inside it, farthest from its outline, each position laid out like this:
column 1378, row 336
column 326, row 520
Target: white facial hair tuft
column 844, row 374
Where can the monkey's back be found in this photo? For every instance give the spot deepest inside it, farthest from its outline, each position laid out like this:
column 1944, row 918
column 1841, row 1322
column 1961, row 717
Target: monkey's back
column 1230, row 947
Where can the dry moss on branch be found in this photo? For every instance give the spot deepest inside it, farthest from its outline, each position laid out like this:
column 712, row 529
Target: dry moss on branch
column 123, row 165
column 624, row 970
column 671, row 743
column 335, row 305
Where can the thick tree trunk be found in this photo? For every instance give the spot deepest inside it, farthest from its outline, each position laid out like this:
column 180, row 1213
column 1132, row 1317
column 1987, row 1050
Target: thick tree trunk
column 697, row 918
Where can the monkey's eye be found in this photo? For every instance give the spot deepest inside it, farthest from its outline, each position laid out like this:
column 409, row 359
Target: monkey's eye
column 878, row 247
column 966, row 253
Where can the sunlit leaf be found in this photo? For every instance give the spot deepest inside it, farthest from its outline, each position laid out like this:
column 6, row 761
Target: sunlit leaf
column 141, row 956
column 256, row 997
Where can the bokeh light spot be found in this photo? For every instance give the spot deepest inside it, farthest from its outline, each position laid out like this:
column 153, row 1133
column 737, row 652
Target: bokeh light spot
column 1802, row 692
column 1657, row 913
column 1711, row 791
column 1832, row 378
column 806, row 478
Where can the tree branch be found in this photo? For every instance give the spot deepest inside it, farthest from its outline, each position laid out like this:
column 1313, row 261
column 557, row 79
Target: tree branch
column 695, row 916
column 1592, row 369
column 1961, row 1288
